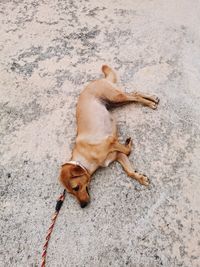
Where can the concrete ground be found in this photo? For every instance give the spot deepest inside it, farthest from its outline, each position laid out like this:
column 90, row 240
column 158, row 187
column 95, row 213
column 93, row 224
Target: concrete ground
column 49, row 51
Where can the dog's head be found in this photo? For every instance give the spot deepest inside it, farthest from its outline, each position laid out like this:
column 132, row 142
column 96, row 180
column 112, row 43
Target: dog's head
column 76, row 180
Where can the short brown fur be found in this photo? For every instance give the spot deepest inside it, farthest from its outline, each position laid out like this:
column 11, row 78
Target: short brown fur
column 97, row 142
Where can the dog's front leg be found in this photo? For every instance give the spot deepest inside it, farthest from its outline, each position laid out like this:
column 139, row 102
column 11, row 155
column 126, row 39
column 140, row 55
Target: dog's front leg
column 124, row 161
column 125, row 149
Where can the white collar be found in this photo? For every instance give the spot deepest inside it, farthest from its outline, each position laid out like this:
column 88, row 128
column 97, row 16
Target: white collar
column 76, row 163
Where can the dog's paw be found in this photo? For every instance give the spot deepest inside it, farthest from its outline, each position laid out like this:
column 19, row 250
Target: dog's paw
column 129, row 145
column 156, row 100
column 153, row 105
column 142, row 179
column 128, row 141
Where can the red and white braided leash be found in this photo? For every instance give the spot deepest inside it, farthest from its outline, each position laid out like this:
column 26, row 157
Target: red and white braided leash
column 54, row 217
column 57, row 209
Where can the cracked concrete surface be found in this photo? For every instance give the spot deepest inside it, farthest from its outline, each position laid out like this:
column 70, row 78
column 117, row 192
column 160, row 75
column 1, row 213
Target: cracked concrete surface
column 49, row 50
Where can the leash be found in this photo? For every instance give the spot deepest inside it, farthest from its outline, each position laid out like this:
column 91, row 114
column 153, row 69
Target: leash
column 50, row 230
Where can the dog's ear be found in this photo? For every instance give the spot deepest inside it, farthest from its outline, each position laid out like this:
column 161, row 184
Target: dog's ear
column 77, row 171
column 64, row 176
column 69, row 171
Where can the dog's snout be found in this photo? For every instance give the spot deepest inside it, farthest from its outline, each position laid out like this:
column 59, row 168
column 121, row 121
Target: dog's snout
column 83, row 204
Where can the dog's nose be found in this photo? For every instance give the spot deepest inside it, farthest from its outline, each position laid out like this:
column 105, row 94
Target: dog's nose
column 83, row 204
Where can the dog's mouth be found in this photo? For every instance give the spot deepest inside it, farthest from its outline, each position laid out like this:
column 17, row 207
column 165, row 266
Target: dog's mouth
column 87, row 191
column 83, row 204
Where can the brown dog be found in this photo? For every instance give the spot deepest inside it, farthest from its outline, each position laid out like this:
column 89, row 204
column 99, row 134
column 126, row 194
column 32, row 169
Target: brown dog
column 97, row 143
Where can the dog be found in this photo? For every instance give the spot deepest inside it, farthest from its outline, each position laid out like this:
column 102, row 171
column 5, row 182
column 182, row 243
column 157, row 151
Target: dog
column 97, row 142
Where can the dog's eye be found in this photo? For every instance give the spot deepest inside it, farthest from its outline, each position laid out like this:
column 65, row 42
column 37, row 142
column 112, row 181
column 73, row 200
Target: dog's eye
column 76, row 188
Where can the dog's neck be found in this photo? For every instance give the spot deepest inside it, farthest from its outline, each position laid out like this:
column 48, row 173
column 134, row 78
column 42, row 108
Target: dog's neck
column 76, row 163
column 91, row 167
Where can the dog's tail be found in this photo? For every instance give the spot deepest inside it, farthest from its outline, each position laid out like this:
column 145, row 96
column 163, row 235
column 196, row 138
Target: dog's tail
column 109, row 74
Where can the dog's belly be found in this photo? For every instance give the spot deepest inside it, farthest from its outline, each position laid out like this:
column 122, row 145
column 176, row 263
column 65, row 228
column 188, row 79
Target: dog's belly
column 95, row 122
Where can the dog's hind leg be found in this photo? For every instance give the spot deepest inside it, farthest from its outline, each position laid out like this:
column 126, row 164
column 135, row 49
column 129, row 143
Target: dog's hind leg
column 124, row 161
column 148, row 97
column 113, row 97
